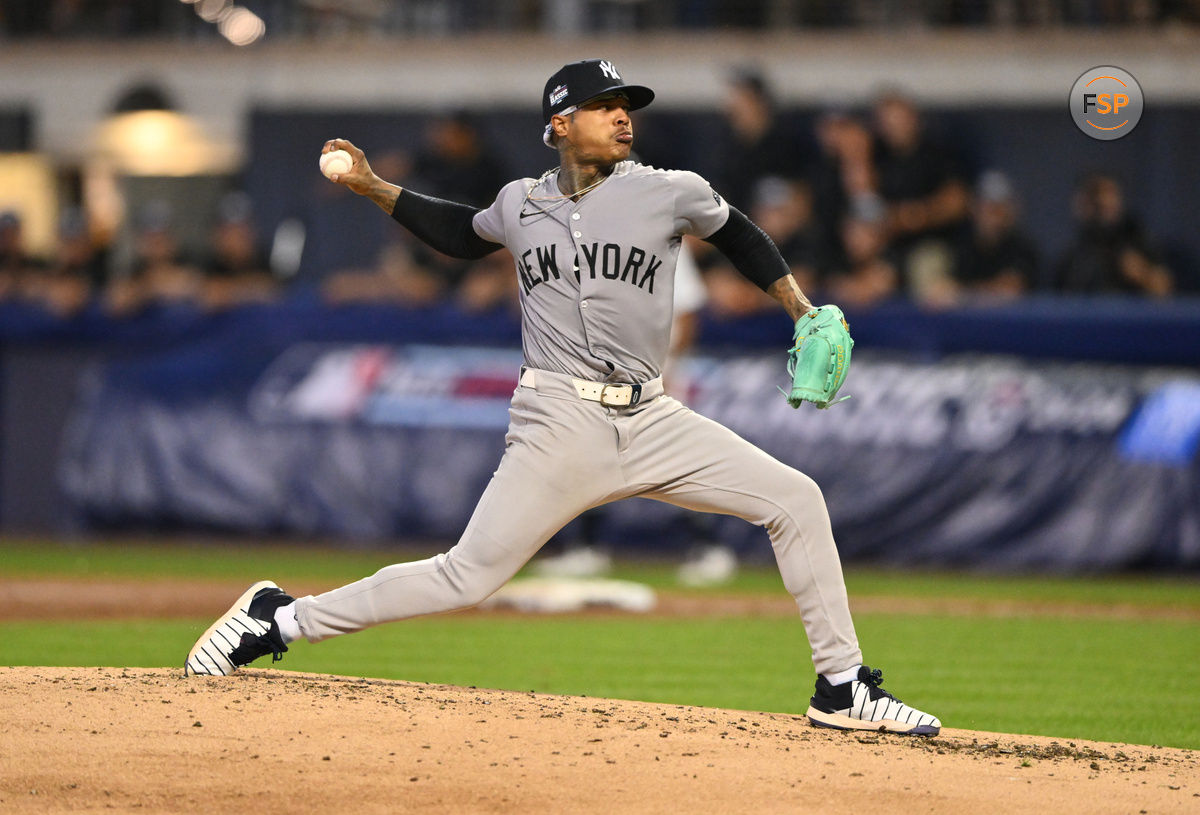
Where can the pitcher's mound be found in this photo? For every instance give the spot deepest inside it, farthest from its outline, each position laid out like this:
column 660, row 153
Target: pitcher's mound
column 265, row 741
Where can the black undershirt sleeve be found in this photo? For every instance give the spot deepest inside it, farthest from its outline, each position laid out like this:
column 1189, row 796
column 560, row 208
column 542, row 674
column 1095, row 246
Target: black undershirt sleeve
column 750, row 250
column 444, row 225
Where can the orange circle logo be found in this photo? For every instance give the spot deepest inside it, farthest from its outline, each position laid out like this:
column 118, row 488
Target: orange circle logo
column 1106, row 102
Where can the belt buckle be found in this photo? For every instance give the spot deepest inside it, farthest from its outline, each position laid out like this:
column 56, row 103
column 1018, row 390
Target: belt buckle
column 635, row 395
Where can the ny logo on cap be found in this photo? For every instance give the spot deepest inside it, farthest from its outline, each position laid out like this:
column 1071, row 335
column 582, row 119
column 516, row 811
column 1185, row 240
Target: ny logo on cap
column 608, row 70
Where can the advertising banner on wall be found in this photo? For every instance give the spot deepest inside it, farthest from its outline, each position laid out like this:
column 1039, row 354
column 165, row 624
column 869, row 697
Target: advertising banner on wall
column 971, row 461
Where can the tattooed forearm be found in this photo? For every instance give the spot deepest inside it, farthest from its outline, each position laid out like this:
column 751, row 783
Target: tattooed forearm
column 383, row 194
column 787, row 292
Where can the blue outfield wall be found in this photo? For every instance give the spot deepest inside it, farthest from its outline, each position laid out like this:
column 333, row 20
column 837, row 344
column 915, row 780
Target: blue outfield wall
column 1060, row 435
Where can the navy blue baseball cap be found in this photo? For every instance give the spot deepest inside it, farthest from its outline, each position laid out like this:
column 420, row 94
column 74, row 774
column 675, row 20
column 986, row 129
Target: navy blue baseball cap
column 577, row 82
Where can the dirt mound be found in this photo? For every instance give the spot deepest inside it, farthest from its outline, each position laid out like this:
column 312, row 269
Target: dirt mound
column 84, row 739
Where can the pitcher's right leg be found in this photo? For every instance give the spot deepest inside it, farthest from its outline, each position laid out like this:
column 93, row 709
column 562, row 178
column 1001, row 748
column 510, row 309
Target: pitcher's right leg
column 560, row 460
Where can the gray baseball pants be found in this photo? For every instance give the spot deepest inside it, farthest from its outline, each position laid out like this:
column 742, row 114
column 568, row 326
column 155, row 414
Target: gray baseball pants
column 564, row 455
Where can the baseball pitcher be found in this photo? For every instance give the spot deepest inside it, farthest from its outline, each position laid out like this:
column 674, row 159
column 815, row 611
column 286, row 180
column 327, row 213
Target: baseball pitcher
column 595, row 243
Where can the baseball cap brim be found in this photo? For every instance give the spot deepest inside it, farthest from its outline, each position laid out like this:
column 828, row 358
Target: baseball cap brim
column 638, row 95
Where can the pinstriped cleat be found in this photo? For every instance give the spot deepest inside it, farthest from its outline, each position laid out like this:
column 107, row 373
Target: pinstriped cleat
column 861, row 704
column 241, row 635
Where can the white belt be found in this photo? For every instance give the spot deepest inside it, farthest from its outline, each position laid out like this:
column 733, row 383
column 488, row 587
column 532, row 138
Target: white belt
column 606, row 393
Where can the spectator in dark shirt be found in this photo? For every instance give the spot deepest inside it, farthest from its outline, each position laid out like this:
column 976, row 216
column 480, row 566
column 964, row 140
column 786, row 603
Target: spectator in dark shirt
column 456, row 163
column 926, row 192
column 236, row 270
column 1111, row 252
column 994, row 258
column 843, row 171
column 159, row 275
column 80, row 252
column 754, row 146
column 868, row 273
column 16, row 267
column 77, row 269
column 784, row 210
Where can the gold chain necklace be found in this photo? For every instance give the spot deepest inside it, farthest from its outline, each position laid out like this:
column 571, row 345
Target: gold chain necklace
column 561, row 199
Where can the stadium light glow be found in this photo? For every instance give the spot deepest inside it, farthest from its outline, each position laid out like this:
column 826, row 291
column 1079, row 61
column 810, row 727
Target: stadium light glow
column 211, row 10
column 159, row 143
column 241, row 26
column 237, row 24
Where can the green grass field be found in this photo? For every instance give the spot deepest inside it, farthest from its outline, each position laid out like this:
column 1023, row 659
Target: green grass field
column 1052, row 674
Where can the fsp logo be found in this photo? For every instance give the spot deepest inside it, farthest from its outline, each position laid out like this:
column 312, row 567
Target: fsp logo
column 1106, row 102
column 609, row 70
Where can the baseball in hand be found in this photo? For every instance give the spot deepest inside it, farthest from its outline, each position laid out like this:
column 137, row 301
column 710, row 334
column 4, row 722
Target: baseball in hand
column 336, row 161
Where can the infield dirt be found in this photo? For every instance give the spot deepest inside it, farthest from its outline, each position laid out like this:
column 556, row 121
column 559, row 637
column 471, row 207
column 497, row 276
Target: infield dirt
column 262, row 741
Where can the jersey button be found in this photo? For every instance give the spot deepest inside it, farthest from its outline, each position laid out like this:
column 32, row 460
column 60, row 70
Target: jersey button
column 583, row 304
column 575, row 216
column 577, row 234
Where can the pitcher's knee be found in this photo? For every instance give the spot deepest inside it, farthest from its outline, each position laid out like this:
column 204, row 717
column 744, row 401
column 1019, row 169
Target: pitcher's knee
column 470, row 584
column 798, row 498
column 802, row 492
column 477, row 591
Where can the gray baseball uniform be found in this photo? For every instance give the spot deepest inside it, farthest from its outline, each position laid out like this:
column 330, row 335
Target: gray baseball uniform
column 589, row 423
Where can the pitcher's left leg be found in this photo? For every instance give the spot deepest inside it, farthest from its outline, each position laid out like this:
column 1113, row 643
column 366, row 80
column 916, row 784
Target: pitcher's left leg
column 695, row 463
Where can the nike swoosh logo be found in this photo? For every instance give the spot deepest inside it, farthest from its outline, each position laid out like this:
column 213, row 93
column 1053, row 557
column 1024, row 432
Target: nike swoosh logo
column 525, row 215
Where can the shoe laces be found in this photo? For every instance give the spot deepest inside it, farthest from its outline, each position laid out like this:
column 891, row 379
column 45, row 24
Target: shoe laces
column 873, row 680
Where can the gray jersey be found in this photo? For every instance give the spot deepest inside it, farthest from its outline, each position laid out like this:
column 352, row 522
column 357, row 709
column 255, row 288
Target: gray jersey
column 597, row 275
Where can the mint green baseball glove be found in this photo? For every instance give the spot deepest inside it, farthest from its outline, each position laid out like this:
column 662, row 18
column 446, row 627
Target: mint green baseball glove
column 820, row 357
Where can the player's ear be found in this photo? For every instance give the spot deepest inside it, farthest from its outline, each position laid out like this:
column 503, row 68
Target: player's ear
column 559, row 125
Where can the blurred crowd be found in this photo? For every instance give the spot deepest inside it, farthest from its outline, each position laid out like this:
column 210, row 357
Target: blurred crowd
column 884, row 211
column 83, row 269
column 68, row 19
column 878, row 211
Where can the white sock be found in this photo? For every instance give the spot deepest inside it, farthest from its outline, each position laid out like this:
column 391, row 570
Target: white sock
column 285, row 618
column 842, row 677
